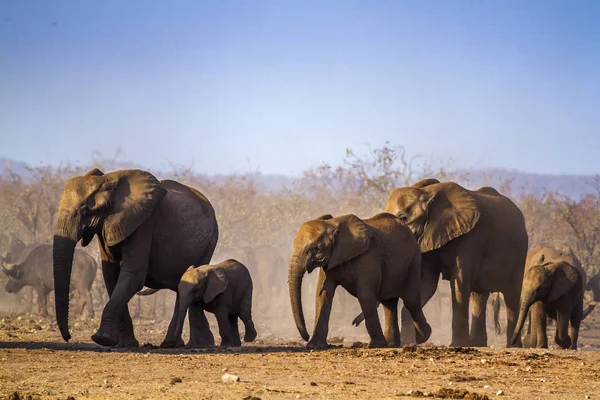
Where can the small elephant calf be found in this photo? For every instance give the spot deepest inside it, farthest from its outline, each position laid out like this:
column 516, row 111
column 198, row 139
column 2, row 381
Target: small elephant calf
column 224, row 289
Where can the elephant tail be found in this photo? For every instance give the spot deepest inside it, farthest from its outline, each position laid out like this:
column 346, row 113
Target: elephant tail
column 147, row 292
column 360, row 318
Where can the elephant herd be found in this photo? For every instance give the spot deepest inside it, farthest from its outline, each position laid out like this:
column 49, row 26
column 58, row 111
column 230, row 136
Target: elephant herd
column 163, row 235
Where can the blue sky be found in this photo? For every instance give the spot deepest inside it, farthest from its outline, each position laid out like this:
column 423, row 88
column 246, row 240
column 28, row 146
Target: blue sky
column 281, row 86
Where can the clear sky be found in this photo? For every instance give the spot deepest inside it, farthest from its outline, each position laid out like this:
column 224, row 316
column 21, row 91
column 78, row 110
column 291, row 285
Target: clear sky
column 285, row 85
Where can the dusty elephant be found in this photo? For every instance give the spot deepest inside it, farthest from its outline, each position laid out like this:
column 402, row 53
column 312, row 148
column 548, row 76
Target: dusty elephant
column 265, row 264
column 375, row 260
column 149, row 232
column 554, row 284
column 224, row 289
column 475, row 239
column 35, row 270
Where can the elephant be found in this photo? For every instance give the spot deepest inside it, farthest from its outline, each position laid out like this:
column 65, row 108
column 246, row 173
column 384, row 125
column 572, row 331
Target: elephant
column 266, row 264
column 553, row 286
column 475, row 239
column 224, row 289
column 149, row 232
column 35, row 270
column 375, row 260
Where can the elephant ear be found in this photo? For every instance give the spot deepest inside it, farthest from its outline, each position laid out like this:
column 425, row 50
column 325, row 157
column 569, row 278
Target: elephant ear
column 94, row 172
column 563, row 279
column 351, row 238
column 216, row 284
column 133, row 195
column 425, row 182
column 325, row 217
column 451, row 212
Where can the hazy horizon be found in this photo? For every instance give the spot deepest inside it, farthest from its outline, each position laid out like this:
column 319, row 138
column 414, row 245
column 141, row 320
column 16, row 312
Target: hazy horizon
column 280, row 87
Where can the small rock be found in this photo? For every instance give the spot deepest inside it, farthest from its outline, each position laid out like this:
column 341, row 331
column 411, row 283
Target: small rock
column 70, row 398
column 528, row 369
column 228, row 378
column 486, row 387
column 175, row 380
column 251, row 398
column 313, row 384
column 542, row 379
column 483, row 361
column 225, row 370
column 587, row 396
column 500, row 393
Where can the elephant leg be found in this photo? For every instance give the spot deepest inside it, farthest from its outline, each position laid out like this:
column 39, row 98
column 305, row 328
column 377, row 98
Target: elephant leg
column 200, row 333
column 392, row 332
column 227, row 336
column 461, row 292
column 512, row 302
column 429, row 282
column 124, row 326
column 323, row 301
column 235, row 330
column 562, row 338
column 478, row 334
column 246, row 317
column 576, row 318
column 538, row 320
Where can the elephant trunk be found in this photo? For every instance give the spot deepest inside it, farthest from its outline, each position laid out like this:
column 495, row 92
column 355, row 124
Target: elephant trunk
column 295, row 275
column 184, row 304
column 526, row 302
column 62, row 254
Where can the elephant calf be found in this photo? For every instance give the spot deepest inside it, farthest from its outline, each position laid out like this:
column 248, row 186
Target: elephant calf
column 224, row 289
column 553, row 286
column 375, row 260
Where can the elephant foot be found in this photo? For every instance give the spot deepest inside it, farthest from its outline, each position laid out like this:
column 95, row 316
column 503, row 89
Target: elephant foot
column 201, row 345
column 377, row 343
column 104, row 339
column 393, row 343
column 171, row 344
column 250, row 335
column 564, row 343
column 127, row 343
column 317, row 345
column 460, row 343
column 422, row 332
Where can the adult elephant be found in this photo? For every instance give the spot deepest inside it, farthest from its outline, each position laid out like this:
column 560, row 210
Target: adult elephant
column 475, row 239
column 149, row 232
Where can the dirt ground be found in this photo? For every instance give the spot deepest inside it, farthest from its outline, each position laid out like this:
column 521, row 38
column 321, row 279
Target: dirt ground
column 35, row 362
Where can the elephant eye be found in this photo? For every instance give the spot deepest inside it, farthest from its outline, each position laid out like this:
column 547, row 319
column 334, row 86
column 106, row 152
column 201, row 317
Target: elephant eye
column 403, row 217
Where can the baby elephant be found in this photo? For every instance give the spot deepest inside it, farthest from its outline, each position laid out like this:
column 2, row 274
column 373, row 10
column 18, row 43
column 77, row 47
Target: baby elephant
column 553, row 286
column 225, row 290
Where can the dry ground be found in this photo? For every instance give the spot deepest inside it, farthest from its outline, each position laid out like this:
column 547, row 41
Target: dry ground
column 35, row 362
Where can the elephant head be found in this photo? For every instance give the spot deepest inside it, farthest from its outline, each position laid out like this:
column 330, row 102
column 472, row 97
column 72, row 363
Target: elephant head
column 325, row 242
column 543, row 281
column 202, row 283
column 112, row 205
column 435, row 212
column 594, row 285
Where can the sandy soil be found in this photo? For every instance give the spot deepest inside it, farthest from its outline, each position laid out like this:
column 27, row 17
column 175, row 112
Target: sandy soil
column 35, row 362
